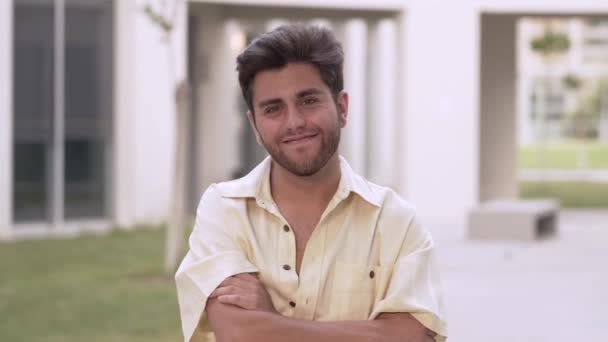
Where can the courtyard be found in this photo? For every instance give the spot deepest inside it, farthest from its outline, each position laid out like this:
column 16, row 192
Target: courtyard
column 111, row 287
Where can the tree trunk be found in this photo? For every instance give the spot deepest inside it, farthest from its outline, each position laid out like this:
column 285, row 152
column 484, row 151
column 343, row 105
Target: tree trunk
column 176, row 222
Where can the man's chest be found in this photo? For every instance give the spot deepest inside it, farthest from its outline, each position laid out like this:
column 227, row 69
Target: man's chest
column 330, row 272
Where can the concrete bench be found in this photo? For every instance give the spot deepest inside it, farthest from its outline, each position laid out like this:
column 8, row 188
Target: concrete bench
column 514, row 219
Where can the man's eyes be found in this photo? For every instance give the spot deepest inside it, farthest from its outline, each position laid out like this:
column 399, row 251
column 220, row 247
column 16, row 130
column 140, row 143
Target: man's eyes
column 310, row 100
column 271, row 109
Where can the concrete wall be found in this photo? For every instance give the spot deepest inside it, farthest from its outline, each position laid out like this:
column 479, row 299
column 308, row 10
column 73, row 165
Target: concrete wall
column 123, row 173
column 155, row 114
column 498, row 115
column 441, row 116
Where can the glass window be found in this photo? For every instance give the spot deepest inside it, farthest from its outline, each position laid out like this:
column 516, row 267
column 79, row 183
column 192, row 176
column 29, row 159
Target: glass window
column 87, row 109
column 33, row 100
column 88, row 106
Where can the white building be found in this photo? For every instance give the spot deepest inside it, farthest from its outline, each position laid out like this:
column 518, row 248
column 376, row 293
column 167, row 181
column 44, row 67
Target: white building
column 86, row 106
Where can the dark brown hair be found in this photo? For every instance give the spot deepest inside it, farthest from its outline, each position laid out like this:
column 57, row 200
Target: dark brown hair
column 291, row 43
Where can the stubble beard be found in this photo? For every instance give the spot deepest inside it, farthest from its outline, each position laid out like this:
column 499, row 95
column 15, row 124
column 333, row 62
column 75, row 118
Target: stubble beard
column 329, row 146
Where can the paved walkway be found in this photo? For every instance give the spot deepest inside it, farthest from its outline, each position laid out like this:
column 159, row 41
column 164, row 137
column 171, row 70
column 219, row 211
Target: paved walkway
column 551, row 290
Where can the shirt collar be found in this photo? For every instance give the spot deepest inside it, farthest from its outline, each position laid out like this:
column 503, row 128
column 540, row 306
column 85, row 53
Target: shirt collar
column 256, row 185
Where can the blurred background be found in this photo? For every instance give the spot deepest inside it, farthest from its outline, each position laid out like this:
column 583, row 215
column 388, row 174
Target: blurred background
column 491, row 117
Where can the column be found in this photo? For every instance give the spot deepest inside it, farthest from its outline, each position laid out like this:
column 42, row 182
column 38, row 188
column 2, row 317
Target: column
column 352, row 146
column 381, row 114
column 441, row 100
column 6, row 118
column 220, row 123
column 498, row 128
column 124, row 168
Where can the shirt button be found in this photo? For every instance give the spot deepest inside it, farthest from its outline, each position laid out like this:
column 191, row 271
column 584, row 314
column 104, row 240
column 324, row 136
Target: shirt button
column 286, row 228
column 372, row 274
column 286, row 267
column 292, row 304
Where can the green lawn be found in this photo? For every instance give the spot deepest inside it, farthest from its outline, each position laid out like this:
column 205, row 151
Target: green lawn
column 91, row 288
column 570, row 194
column 564, row 155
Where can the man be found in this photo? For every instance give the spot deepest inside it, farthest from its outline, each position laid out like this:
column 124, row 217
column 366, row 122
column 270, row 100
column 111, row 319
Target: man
column 302, row 248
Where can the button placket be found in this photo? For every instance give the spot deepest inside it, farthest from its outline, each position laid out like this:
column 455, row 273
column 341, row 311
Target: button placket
column 311, row 272
column 287, row 257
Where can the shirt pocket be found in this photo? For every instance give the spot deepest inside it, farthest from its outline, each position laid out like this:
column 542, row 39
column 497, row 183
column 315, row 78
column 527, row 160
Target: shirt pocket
column 354, row 290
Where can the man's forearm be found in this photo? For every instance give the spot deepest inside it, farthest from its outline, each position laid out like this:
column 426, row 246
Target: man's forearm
column 232, row 324
column 267, row 327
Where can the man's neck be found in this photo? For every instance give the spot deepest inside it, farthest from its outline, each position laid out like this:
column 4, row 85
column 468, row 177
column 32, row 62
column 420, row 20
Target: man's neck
column 320, row 187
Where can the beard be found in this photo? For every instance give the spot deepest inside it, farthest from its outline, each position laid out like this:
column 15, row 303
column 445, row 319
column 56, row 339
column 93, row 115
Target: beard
column 329, row 145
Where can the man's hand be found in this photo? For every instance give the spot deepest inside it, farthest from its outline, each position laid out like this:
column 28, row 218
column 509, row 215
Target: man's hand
column 245, row 291
column 260, row 321
column 406, row 327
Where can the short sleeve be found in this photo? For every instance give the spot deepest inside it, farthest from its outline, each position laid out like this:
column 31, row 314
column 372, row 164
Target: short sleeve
column 414, row 285
column 215, row 253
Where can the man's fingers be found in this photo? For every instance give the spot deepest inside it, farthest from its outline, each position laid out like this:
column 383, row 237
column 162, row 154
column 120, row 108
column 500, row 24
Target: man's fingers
column 243, row 280
column 243, row 283
column 249, row 277
column 236, row 300
column 237, row 282
column 224, row 290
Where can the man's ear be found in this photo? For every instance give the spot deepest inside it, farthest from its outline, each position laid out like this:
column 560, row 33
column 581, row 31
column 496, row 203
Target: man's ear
column 342, row 103
column 251, row 118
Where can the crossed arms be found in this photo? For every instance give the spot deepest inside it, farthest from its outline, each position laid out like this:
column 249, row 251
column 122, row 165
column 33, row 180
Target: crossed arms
column 240, row 309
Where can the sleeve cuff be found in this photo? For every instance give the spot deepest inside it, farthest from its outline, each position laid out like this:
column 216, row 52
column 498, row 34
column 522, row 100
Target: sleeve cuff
column 195, row 281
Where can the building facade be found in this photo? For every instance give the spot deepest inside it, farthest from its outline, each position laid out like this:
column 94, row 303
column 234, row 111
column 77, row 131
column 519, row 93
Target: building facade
column 87, row 112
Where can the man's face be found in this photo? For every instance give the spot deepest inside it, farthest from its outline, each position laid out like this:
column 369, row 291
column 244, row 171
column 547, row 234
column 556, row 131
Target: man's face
column 296, row 118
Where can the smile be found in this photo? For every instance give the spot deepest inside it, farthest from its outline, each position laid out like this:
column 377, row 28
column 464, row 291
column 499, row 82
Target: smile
column 299, row 139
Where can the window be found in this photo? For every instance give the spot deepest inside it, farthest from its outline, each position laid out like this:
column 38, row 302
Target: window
column 62, row 88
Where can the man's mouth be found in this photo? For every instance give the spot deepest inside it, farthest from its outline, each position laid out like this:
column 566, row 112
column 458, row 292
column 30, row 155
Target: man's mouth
column 299, row 138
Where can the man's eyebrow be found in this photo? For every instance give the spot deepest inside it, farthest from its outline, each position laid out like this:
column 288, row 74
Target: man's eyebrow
column 300, row 94
column 269, row 102
column 310, row 91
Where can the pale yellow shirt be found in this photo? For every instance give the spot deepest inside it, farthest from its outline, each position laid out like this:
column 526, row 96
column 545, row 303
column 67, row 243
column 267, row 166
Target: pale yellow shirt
column 368, row 255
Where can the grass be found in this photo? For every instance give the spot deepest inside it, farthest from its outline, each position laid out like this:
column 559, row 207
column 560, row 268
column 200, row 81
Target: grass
column 570, row 194
column 90, row 288
column 564, row 155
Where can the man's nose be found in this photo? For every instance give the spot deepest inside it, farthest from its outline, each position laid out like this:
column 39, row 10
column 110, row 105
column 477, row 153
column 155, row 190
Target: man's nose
column 295, row 118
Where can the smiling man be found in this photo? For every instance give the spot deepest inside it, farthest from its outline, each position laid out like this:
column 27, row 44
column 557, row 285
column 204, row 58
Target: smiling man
column 303, row 248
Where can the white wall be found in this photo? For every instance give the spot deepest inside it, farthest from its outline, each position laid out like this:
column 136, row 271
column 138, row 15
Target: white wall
column 123, row 186
column 441, row 100
column 6, row 115
column 154, row 115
